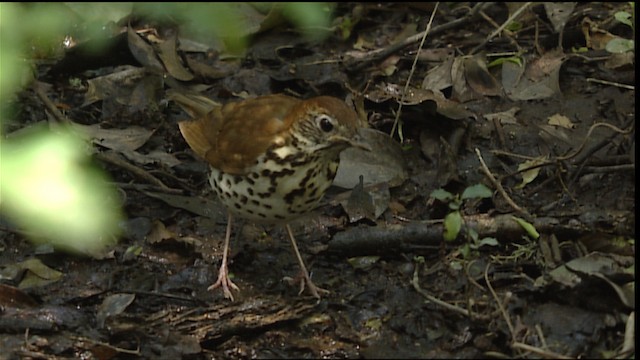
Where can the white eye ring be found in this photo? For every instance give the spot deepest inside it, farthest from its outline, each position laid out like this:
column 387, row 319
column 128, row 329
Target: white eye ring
column 325, row 123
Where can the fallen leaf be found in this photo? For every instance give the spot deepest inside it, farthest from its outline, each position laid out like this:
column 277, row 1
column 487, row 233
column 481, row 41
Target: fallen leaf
column 531, row 174
column 561, row 120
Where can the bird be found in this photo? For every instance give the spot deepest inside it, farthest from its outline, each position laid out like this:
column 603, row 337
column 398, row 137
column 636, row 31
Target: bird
column 272, row 158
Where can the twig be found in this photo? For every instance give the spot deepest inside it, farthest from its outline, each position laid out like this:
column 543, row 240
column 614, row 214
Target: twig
column 507, row 319
column 416, row 285
column 413, row 68
column 508, row 34
column 541, row 337
column 356, row 64
column 499, row 30
column 498, row 186
column 107, row 345
column 586, row 138
column 147, row 187
column 51, row 107
column 114, row 159
column 605, row 82
column 545, row 353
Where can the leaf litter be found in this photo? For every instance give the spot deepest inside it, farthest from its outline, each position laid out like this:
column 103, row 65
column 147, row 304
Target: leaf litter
column 510, row 299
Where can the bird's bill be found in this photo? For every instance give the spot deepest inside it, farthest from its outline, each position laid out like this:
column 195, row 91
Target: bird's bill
column 357, row 143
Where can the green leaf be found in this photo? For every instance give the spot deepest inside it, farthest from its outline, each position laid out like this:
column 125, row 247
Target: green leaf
column 48, row 189
column 527, row 226
column 456, row 265
column 619, row 46
column 473, row 234
column 499, row 61
column 514, row 26
column 624, row 17
column 490, row 241
column 441, row 194
column 465, row 250
column 452, row 225
column 477, row 191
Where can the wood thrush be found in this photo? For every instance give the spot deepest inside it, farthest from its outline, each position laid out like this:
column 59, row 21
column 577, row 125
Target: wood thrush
column 272, row 159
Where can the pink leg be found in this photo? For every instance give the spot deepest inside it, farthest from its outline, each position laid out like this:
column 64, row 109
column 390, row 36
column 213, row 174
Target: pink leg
column 223, row 273
column 315, row 291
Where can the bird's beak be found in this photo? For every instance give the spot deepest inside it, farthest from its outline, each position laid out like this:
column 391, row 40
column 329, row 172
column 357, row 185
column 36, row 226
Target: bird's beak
column 356, row 142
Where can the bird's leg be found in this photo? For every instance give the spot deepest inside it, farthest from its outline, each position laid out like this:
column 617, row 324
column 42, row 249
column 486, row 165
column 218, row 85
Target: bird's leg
column 315, row 290
column 223, row 273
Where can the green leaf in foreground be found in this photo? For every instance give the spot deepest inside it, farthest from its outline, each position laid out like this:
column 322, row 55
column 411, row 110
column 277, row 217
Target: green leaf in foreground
column 527, row 226
column 441, row 194
column 452, row 225
column 48, row 190
column 479, row 191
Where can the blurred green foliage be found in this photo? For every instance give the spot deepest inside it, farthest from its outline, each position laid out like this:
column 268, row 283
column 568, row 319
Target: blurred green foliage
column 46, row 184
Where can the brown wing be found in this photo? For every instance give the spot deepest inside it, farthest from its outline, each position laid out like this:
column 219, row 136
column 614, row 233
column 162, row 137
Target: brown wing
column 232, row 137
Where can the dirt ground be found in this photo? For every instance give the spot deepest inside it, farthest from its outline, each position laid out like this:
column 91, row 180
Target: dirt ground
column 541, row 114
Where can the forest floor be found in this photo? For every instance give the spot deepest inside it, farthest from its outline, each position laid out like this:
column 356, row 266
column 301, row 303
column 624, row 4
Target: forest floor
column 549, row 130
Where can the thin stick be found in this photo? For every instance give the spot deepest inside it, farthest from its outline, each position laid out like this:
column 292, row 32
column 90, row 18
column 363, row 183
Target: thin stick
column 605, row 82
column 499, row 30
column 545, row 353
column 114, row 159
column 413, row 68
column 374, row 55
column 498, row 186
column 499, row 303
column 51, row 107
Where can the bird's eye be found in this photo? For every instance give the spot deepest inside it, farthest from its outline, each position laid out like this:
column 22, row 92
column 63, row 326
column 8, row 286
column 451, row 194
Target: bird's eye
column 325, row 123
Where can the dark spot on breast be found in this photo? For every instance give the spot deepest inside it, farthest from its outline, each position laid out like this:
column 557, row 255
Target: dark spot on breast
column 268, row 206
column 250, row 211
column 262, row 215
column 271, row 155
column 282, row 173
column 291, row 195
column 228, row 182
column 250, row 190
column 266, row 172
column 237, row 206
column 311, row 200
column 250, row 181
column 310, row 173
column 244, row 199
column 278, row 216
column 219, row 177
column 294, row 211
column 237, row 179
column 255, row 202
